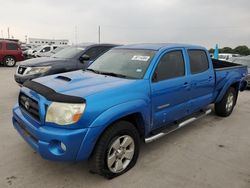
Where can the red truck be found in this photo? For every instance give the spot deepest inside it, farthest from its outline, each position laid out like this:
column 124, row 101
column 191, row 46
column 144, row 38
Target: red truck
column 10, row 53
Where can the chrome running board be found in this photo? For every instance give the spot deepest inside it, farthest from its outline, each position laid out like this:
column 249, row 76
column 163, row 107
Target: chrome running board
column 178, row 125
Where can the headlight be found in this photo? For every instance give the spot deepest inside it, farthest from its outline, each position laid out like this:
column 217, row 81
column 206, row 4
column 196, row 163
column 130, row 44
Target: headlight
column 64, row 113
column 36, row 70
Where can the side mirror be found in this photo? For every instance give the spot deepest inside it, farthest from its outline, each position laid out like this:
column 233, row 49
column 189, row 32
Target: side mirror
column 84, row 58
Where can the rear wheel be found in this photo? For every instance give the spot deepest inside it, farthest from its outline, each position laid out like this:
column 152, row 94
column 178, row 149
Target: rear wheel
column 9, row 61
column 225, row 107
column 116, row 151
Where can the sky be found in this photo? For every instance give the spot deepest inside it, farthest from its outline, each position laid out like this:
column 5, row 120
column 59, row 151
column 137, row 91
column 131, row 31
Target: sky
column 202, row 22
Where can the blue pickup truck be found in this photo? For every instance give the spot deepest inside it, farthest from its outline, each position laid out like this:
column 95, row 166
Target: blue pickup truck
column 132, row 92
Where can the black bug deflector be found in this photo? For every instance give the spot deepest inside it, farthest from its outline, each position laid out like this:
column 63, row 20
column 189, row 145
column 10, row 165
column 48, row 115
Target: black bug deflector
column 51, row 94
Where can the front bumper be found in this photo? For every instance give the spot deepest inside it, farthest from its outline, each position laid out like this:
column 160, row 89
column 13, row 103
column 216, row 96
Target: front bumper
column 47, row 140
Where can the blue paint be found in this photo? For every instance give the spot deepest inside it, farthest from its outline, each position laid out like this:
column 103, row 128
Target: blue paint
column 110, row 98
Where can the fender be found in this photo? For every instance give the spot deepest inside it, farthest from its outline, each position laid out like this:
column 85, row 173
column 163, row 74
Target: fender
column 109, row 116
column 225, row 88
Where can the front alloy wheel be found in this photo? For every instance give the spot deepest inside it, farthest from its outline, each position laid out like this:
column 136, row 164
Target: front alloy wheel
column 120, row 153
column 116, row 151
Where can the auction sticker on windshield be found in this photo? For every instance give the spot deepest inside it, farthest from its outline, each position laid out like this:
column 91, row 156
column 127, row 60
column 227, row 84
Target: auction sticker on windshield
column 140, row 58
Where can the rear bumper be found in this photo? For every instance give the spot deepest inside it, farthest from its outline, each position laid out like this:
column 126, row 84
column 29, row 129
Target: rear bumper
column 47, row 140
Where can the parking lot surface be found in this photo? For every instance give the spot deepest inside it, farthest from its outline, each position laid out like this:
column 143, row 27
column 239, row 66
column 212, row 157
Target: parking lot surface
column 212, row 152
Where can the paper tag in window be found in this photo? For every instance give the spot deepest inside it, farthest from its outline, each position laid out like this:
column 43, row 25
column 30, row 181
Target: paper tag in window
column 140, row 58
column 138, row 70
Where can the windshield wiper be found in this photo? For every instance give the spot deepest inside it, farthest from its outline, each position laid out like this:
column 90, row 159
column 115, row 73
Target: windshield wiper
column 95, row 71
column 109, row 73
column 114, row 74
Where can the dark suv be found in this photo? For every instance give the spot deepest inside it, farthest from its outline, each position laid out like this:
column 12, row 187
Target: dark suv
column 10, row 53
column 69, row 59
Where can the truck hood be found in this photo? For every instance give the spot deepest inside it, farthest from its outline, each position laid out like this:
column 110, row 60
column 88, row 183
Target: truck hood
column 82, row 84
column 42, row 61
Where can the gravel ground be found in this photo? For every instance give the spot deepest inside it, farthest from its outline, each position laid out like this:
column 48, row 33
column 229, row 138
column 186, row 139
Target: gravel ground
column 212, row 152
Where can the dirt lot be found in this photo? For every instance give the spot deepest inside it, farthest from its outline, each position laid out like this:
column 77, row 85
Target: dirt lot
column 212, row 152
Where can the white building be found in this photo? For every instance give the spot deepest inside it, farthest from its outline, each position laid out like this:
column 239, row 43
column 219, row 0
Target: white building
column 38, row 41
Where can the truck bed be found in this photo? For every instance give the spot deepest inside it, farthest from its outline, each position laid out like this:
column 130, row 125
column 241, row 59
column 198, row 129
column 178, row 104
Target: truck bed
column 219, row 64
column 225, row 74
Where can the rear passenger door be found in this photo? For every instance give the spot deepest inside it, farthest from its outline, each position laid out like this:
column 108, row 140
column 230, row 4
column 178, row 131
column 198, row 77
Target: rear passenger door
column 202, row 80
column 169, row 89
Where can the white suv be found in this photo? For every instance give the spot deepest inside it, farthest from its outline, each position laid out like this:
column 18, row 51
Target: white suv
column 44, row 49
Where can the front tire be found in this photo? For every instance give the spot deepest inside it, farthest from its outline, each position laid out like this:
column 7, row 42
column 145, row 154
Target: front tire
column 9, row 61
column 225, row 107
column 116, row 151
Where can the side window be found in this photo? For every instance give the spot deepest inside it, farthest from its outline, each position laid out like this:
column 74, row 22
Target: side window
column 171, row 65
column 198, row 61
column 11, row 46
column 104, row 49
column 54, row 47
column 93, row 53
column 46, row 49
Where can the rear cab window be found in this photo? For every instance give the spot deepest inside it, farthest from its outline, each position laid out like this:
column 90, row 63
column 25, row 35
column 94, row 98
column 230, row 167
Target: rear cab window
column 171, row 65
column 11, row 46
column 198, row 61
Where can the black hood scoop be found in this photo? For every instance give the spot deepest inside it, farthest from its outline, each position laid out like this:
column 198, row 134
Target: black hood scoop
column 64, row 78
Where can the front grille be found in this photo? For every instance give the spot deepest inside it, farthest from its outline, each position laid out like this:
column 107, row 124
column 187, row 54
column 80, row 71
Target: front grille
column 21, row 70
column 29, row 105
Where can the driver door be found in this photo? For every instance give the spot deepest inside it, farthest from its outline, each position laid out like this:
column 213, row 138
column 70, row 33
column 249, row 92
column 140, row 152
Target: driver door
column 170, row 89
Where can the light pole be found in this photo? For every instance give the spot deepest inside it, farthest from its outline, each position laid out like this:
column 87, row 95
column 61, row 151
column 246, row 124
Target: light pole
column 99, row 34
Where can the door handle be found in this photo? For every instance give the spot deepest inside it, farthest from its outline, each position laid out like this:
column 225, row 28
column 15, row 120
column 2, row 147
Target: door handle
column 186, row 85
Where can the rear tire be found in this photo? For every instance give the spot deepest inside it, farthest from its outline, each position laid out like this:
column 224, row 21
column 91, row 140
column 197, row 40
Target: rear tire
column 225, row 107
column 9, row 61
column 116, row 151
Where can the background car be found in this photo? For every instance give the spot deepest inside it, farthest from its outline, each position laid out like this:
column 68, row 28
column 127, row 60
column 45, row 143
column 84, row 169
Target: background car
column 245, row 60
column 43, row 49
column 50, row 53
column 227, row 56
column 10, row 53
column 69, row 59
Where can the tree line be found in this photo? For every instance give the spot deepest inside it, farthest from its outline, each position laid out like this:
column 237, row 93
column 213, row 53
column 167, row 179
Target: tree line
column 242, row 50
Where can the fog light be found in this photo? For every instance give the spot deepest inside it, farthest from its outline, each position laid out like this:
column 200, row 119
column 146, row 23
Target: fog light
column 57, row 147
column 63, row 147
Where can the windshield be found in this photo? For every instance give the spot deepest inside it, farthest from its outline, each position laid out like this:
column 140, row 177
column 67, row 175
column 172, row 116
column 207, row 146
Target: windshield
column 123, row 62
column 69, row 52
